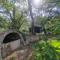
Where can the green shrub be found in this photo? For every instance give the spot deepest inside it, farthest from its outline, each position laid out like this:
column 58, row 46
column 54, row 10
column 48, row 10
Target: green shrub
column 44, row 51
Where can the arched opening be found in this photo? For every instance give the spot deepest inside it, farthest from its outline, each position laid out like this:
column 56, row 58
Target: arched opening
column 11, row 42
column 11, row 37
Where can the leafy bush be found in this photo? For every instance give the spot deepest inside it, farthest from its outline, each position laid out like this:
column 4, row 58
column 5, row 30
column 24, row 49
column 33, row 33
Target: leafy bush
column 45, row 51
column 55, row 44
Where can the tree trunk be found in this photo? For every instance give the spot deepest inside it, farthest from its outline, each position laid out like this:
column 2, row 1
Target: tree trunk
column 31, row 14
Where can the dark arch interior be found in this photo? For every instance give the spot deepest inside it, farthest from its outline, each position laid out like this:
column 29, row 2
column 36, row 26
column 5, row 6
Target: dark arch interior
column 11, row 37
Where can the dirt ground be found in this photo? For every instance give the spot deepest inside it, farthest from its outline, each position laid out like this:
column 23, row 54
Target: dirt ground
column 24, row 54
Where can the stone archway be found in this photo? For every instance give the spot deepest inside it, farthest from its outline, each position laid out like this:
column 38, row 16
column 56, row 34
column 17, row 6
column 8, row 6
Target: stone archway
column 10, row 43
column 11, row 37
column 8, row 38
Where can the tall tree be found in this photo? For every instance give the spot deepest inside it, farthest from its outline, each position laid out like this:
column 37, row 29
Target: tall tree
column 17, row 18
column 31, row 14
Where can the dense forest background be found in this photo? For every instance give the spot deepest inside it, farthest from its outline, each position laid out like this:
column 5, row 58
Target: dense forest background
column 19, row 15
